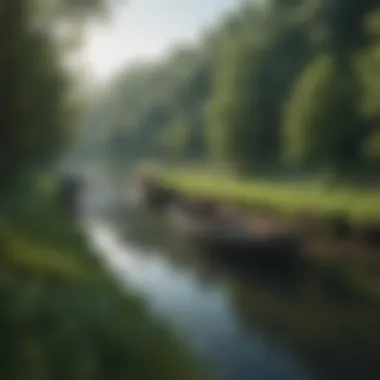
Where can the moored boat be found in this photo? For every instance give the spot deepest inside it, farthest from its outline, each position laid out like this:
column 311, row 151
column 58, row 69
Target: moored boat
column 148, row 193
column 250, row 239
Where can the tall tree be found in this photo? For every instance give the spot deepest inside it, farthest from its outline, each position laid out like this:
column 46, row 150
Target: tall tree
column 34, row 84
column 257, row 74
column 320, row 130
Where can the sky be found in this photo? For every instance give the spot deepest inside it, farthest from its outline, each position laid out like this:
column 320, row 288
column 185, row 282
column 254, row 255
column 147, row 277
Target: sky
column 148, row 29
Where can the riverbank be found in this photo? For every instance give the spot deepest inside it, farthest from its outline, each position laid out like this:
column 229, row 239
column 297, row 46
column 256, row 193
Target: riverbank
column 62, row 317
column 358, row 205
column 334, row 209
column 339, row 224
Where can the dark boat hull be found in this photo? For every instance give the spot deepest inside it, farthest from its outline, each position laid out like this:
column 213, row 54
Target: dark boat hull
column 152, row 196
column 277, row 249
column 273, row 251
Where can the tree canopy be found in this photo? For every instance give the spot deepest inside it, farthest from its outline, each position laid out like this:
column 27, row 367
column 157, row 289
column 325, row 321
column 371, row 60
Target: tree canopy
column 37, row 110
column 277, row 84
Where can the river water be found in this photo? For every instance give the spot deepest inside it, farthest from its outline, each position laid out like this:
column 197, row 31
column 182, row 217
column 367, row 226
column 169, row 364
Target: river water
column 242, row 324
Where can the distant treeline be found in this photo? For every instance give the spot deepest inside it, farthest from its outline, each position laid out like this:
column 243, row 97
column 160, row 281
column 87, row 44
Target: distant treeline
column 291, row 85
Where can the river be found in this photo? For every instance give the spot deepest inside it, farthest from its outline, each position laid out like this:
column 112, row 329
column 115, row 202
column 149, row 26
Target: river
column 243, row 325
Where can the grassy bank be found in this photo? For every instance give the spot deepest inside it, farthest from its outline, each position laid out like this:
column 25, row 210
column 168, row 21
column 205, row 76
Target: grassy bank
column 61, row 316
column 356, row 204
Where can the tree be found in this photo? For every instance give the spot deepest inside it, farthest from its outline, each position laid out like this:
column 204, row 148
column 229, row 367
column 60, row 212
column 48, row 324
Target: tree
column 232, row 128
column 292, row 79
column 257, row 72
column 321, row 129
column 36, row 108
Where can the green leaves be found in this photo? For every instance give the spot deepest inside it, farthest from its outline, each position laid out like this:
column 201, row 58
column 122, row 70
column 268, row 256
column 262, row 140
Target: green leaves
column 276, row 85
column 37, row 114
column 321, row 125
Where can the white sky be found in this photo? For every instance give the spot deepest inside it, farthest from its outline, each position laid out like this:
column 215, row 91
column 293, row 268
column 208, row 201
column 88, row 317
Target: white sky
column 148, row 28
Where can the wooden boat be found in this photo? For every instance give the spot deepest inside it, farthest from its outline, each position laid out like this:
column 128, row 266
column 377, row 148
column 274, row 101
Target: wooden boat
column 147, row 193
column 249, row 241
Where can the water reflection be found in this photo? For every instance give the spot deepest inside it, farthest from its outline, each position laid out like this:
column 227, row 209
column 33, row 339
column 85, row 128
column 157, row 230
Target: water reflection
column 246, row 325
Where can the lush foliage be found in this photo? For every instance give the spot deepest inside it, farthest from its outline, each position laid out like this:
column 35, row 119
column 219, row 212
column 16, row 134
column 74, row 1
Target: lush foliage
column 356, row 204
column 280, row 85
column 62, row 317
column 38, row 110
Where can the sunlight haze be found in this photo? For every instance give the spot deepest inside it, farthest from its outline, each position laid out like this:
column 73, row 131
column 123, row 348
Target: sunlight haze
column 147, row 29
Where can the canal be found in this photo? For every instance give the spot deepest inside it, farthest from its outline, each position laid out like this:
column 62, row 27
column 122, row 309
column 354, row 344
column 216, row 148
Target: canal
column 242, row 324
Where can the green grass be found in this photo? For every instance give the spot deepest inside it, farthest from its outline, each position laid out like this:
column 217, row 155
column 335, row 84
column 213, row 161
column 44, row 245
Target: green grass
column 358, row 205
column 62, row 317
